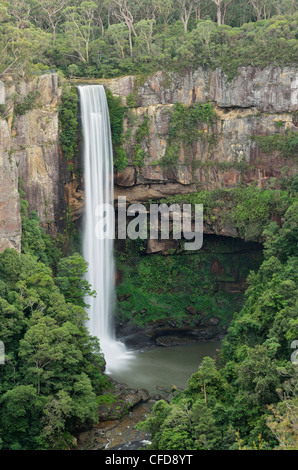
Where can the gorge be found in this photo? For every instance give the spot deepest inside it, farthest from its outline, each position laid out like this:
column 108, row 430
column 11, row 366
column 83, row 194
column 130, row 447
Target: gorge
column 238, row 135
column 235, row 159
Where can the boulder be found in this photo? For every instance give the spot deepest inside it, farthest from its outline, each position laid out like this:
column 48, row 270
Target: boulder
column 126, row 177
column 160, row 246
column 213, row 321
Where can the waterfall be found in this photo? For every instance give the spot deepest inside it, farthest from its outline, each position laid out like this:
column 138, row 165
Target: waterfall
column 98, row 251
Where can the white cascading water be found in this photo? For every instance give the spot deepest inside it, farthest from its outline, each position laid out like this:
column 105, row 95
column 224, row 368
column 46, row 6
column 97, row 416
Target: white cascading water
column 99, row 190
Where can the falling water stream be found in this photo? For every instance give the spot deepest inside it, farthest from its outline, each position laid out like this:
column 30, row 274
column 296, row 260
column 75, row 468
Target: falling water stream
column 99, row 197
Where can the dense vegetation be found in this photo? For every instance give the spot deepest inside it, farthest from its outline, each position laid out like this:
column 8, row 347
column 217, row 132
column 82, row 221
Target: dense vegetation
column 113, row 37
column 246, row 209
column 247, row 399
column 52, row 378
column 161, row 288
column 52, row 381
column 154, row 281
column 68, row 121
column 184, row 129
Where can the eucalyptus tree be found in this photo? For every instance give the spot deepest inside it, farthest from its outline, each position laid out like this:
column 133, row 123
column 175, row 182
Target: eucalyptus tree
column 20, row 11
column 261, row 8
column 124, row 13
column 145, row 34
column 218, row 4
column 79, row 27
column 20, row 47
column 53, row 13
column 186, row 9
column 165, row 10
column 117, row 35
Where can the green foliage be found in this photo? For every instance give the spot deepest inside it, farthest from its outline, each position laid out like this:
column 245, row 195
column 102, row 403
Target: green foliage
column 21, row 46
column 120, row 159
column 68, row 122
column 142, row 137
column 52, row 376
column 47, row 346
column 3, row 109
column 247, row 209
column 139, row 156
column 117, row 113
column 24, row 104
column 187, row 127
column 131, row 101
column 69, row 279
column 239, row 401
column 143, row 129
column 286, row 144
column 21, row 408
column 87, row 40
column 153, row 282
column 35, row 240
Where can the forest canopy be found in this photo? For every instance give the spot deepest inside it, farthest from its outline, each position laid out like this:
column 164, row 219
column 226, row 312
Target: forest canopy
column 112, row 37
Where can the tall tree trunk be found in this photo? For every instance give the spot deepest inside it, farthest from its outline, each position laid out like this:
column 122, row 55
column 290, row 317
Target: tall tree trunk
column 130, row 40
column 219, row 20
column 54, row 34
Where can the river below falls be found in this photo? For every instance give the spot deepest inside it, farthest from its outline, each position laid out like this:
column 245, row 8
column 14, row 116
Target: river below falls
column 156, row 370
column 164, row 366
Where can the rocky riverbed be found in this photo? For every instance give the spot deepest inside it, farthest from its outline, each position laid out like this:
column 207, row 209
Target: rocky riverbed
column 157, row 373
column 117, row 420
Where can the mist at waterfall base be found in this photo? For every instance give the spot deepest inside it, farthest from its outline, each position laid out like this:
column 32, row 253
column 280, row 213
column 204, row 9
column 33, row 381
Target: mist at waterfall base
column 99, row 190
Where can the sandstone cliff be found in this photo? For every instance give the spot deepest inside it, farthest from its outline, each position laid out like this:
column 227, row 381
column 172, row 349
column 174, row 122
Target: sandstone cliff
column 256, row 103
column 28, row 149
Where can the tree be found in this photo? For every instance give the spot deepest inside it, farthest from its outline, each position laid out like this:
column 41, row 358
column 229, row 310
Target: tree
column 70, row 279
column 79, row 28
column 147, row 9
column 218, row 4
column 283, row 419
column 56, row 412
column 123, row 13
column 145, row 33
column 165, row 9
column 207, row 381
column 117, row 34
column 205, row 29
column 186, row 8
column 20, row 10
column 45, row 350
column 258, row 376
column 53, row 13
column 19, row 417
column 20, row 47
column 102, row 6
column 176, row 430
column 207, row 436
column 262, row 8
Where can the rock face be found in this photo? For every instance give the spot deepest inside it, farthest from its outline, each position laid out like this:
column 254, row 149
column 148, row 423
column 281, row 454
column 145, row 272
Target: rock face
column 29, row 149
column 256, row 103
column 272, row 89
